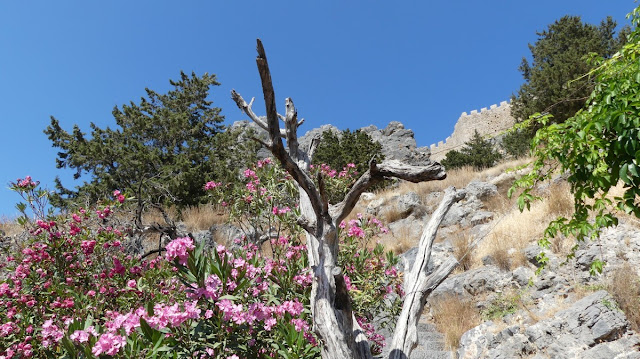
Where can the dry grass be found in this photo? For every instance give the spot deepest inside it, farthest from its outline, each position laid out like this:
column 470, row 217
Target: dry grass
column 196, row 218
column 9, row 227
column 453, row 317
column 516, row 230
column 400, row 242
column 203, row 217
column 459, row 178
column 462, row 250
column 391, row 214
column 624, row 286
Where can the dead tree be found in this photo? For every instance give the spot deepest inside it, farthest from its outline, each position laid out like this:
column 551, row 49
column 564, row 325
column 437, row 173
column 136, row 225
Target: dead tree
column 333, row 320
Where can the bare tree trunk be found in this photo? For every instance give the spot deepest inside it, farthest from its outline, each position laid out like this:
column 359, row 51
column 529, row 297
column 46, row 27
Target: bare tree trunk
column 417, row 285
column 333, row 320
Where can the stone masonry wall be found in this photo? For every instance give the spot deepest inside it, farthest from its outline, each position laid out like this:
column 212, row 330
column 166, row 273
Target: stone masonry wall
column 489, row 122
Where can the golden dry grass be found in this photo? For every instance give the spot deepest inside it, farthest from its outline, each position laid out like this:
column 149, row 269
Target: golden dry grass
column 400, row 243
column 392, row 214
column 203, row 217
column 624, row 286
column 196, row 218
column 515, row 230
column 462, row 250
column 9, row 226
column 453, row 317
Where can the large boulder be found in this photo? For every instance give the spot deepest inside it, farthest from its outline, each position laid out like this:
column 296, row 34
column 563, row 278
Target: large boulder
column 590, row 328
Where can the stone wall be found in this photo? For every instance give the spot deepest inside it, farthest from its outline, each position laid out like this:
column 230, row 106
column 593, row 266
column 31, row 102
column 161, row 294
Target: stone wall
column 488, row 122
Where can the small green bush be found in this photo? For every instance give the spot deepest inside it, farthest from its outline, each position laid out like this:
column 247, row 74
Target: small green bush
column 476, row 152
column 517, row 144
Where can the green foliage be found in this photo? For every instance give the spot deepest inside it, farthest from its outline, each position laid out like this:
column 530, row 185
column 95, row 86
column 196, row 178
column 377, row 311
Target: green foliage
column 599, row 147
column 502, row 305
column 338, row 150
column 161, row 150
column 558, row 58
column 476, row 152
column 517, row 143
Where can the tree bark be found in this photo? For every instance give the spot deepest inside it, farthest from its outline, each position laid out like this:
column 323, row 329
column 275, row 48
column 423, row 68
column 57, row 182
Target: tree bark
column 333, row 321
column 417, row 285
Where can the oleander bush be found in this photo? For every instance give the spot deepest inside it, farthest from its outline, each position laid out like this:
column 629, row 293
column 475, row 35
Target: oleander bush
column 72, row 290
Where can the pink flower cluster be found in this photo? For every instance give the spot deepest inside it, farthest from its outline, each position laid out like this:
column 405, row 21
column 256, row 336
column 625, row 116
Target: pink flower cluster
column 178, row 249
column 26, row 183
column 211, row 185
column 119, row 196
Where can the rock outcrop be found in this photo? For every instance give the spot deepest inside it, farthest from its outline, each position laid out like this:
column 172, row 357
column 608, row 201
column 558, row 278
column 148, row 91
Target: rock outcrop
column 397, row 142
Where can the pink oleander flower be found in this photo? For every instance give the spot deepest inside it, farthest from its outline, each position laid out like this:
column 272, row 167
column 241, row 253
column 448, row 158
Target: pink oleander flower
column 178, row 249
column 27, row 182
column 211, row 185
column 82, row 336
column 355, row 231
column 109, row 344
column 300, row 324
column 87, row 247
column 119, row 196
column 50, row 332
column 347, row 281
column 248, row 173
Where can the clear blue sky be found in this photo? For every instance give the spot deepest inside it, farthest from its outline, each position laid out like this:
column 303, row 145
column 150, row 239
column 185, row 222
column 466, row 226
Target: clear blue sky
column 347, row 63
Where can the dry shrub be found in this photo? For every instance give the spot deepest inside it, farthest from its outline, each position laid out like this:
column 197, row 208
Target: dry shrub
column 462, row 250
column 516, row 230
column 498, row 204
column 560, row 200
column 624, row 286
column 203, row 217
column 154, row 215
column 454, row 316
column 512, row 234
column 400, row 243
column 391, row 214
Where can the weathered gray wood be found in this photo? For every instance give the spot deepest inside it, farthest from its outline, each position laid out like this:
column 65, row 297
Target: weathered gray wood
column 377, row 173
column 417, row 285
column 341, row 336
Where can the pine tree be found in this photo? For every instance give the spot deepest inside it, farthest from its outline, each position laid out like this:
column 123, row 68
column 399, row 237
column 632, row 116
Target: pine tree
column 554, row 80
column 163, row 150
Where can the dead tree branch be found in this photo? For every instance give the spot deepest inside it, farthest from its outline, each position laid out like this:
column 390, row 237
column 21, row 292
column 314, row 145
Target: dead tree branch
column 333, row 319
column 377, row 173
column 417, row 285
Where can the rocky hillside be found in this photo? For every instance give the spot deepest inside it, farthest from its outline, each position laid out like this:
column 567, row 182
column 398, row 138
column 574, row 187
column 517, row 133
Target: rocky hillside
column 495, row 306
column 398, row 143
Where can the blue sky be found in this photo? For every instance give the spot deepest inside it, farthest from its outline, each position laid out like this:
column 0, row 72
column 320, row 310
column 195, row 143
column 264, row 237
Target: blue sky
column 347, row 63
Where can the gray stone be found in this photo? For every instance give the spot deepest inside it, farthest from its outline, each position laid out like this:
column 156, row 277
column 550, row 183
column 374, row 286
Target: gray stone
column 409, row 203
column 367, row 196
column 374, row 207
column 531, row 252
column 589, row 321
column 481, row 217
column 481, row 190
column 590, row 328
column 522, row 276
column 474, row 344
column 410, row 227
column 487, row 278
